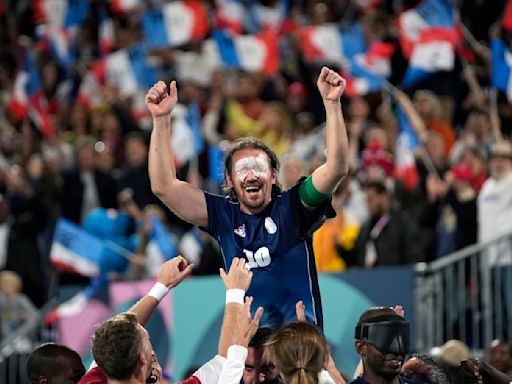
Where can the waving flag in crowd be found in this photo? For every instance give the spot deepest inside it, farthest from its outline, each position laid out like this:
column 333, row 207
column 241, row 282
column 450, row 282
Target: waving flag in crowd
column 60, row 22
column 433, row 53
column 28, row 99
column 268, row 18
column 230, row 15
column 175, row 23
column 105, row 32
column 367, row 72
column 428, row 14
column 75, row 250
column 406, row 143
column 501, row 67
column 125, row 6
column 250, row 52
column 329, row 43
column 428, row 36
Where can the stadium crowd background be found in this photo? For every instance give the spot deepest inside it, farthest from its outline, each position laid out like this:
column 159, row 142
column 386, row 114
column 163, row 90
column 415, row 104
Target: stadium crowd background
column 79, row 141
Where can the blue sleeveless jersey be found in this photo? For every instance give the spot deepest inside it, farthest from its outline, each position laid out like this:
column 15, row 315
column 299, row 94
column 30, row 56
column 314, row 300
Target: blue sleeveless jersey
column 277, row 244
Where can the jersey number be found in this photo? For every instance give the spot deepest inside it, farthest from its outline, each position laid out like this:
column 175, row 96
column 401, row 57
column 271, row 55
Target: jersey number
column 260, row 258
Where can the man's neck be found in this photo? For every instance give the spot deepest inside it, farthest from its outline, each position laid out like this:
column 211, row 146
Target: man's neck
column 372, row 378
column 131, row 380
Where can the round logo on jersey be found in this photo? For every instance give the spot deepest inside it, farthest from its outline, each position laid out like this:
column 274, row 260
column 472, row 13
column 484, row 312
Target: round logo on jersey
column 270, row 226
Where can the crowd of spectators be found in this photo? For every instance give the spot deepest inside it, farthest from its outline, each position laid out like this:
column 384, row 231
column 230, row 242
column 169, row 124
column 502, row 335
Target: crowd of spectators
column 95, row 155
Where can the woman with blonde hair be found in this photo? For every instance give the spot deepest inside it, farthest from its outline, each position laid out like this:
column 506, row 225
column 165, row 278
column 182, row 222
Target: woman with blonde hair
column 299, row 352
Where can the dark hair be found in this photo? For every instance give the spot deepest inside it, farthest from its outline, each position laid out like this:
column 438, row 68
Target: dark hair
column 377, row 314
column 377, row 186
column 261, row 337
column 252, row 143
column 116, row 345
column 46, row 361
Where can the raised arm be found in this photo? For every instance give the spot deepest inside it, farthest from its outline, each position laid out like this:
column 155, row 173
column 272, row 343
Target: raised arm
column 183, row 198
column 171, row 274
column 326, row 177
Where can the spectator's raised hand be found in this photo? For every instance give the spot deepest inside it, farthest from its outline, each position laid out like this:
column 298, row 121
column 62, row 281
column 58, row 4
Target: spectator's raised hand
column 300, row 311
column 174, row 271
column 330, row 85
column 238, row 276
column 160, row 101
column 247, row 325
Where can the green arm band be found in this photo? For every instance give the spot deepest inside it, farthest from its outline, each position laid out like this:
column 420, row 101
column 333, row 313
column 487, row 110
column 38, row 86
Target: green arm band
column 310, row 195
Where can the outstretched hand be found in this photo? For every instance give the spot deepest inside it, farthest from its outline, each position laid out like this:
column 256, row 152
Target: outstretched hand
column 174, row 271
column 238, row 277
column 248, row 325
column 159, row 101
column 331, row 85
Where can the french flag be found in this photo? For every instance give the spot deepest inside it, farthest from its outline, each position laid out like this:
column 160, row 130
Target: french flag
column 428, row 14
column 367, row 72
column 435, row 51
column 362, row 82
column 61, row 23
column 230, row 15
column 175, row 23
column 105, row 32
column 501, row 63
column 75, row 250
column 268, row 18
column 249, row 52
column 377, row 59
column 28, row 99
column 125, row 6
column 127, row 70
column 89, row 92
column 406, row 143
column 328, row 43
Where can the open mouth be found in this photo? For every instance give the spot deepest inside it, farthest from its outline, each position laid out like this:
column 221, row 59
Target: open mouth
column 252, row 188
column 153, row 378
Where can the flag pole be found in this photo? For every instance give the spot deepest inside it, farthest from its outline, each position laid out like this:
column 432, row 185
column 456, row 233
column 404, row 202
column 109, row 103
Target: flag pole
column 427, row 160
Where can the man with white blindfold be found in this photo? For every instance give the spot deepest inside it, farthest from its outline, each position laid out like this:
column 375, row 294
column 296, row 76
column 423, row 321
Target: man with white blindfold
column 270, row 228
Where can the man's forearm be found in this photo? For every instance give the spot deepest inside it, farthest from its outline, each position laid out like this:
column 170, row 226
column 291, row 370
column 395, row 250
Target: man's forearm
column 161, row 159
column 336, row 142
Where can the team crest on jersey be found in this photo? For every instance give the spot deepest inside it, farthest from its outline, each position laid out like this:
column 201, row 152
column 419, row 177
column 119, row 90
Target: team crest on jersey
column 240, row 231
column 270, row 226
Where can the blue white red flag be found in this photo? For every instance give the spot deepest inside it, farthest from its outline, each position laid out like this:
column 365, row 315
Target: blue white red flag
column 105, row 32
column 28, row 99
column 59, row 23
column 264, row 18
column 175, row 23
column 427, row 14
column 75, row 250
column 249, row 52
column 501, row 67
column 367, row 72
column 406, row 143
column 230, row 15
column 433, row 52
column 128, row 70
column 329, row 43
column 126, row 6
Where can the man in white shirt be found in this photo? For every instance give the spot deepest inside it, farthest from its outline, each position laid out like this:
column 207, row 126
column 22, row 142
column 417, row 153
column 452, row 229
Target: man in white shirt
column 495, row 202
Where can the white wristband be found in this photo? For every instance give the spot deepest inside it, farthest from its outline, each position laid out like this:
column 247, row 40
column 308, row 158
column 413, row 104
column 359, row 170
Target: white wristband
column 235, row 296
column 158, row 291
